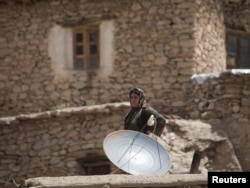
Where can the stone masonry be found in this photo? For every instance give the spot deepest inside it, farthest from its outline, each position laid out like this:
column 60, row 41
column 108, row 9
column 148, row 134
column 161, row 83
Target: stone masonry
column 52, row 143
column 173, row 49
column 158, row 46
column 37, row 145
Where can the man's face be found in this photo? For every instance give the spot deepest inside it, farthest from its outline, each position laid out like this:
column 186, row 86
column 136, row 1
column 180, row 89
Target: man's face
column 134, row 100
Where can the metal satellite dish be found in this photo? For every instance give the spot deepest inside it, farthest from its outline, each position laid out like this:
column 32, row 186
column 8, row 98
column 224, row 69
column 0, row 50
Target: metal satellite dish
column 136, row 153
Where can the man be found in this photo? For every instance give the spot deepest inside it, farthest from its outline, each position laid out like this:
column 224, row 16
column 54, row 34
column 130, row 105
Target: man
column 141, row 118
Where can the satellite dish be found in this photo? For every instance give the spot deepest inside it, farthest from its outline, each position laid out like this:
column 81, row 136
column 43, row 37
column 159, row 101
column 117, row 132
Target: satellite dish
column 136, row 153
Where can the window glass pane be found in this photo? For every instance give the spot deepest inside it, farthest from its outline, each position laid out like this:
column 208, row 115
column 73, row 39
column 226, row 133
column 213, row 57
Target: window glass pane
column 244, row 61
column 244, row 53
column 244, row 64
column 244, row 43
column 79, row 50
column 93, row 37
column 79, row 37
column 231, row 45
column 79, row 64
column 93, row 49
column 94, row 63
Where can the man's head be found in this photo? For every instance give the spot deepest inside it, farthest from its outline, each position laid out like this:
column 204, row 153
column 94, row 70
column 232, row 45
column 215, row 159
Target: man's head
column 136, row 97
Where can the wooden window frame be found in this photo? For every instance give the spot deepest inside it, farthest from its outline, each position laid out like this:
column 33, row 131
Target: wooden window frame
column 236, row 58
column 86, row 57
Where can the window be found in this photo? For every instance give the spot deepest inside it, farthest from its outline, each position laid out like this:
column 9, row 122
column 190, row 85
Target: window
column 78, row 49
column 86, row 48
column 238, row 50
column 97, row 168
column 95, row 165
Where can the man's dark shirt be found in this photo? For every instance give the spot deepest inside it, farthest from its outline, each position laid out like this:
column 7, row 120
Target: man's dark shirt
column 137, row 120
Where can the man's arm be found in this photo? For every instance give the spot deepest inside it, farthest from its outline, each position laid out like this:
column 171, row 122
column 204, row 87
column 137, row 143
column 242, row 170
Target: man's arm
column 159, row 124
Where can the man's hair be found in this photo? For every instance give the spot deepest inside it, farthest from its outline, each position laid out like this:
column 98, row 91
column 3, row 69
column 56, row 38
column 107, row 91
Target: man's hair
column 141, row 95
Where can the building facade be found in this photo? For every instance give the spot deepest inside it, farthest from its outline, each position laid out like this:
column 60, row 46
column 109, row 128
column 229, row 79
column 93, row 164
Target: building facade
column 71, row 53
column 56, row 54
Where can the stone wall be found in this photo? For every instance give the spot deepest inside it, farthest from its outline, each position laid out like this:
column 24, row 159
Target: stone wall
column 50, row 143
column 164, row 46
column 157, row 45
column 222, row 99
column 182, row 38
column 237, row 16
column 209, row 48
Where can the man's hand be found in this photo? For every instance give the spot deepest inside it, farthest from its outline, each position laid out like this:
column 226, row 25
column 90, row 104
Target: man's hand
column 151, row 120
